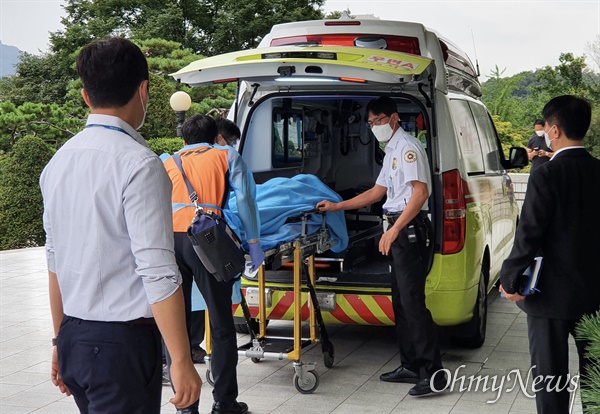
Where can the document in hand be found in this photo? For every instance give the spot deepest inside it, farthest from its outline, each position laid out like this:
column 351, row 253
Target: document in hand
column 530, row 277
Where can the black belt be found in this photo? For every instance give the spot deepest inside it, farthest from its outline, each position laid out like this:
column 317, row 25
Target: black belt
column 391, row 217
column 139, row 321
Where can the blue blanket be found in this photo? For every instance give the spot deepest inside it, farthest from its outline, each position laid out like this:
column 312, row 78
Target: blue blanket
column 281, row 198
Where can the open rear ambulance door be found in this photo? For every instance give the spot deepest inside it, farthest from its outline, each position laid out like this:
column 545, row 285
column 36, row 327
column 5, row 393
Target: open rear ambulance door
column 296, row 67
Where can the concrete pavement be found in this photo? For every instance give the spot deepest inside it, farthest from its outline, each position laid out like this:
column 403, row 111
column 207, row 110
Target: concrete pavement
column 351, row 386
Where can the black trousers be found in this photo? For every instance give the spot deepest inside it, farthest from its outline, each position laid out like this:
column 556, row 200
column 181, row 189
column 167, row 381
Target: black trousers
column 549, row 349
column 417, row 337
column 196, row 327
column 111, row 367
column 218, row 300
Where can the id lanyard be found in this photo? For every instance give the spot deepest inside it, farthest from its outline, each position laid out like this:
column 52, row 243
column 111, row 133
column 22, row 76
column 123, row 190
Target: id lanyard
column 111, row 127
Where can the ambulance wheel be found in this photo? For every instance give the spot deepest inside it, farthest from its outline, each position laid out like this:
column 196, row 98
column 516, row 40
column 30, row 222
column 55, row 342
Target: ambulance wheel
column 309, row 384
column 328, row 354
column 476, row 328
column 209, row 378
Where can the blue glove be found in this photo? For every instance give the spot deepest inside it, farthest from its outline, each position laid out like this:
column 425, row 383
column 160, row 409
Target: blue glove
column 257, row 255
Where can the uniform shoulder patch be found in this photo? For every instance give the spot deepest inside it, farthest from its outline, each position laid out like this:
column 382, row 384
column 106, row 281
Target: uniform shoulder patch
column 410, row 156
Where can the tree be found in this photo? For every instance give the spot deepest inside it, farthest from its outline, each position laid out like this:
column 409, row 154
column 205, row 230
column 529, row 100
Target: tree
column 589, row 330
column 498, row 93
column 166, row 56
column 52, row 123
column 37, row 79
column 592, row 50
column 160, row 118
column 21, row 204
column 242, row 25
column 207, row 27
column 566, row 78
column 592, row 139
column 336, row 14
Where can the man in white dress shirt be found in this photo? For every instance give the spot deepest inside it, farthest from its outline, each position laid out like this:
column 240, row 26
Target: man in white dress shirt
column 113, row 278
column 406, row 180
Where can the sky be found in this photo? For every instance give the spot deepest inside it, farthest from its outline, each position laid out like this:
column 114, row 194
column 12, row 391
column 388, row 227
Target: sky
column 515, row 35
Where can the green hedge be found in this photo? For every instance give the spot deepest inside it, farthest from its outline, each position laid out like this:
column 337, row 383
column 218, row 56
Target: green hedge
column 162, row 145
column 21, row 206
column 589, row 329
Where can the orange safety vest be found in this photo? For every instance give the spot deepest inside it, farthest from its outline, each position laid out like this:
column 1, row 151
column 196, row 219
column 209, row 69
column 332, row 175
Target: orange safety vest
column 207, row 170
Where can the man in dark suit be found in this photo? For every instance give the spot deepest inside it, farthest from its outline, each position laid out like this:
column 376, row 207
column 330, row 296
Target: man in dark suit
column 559, row 219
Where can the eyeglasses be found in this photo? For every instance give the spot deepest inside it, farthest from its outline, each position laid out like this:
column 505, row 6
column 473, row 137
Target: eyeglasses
column 376, row 121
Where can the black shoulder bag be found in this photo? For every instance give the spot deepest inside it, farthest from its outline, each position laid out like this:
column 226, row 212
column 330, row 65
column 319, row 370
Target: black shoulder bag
column 214, row 242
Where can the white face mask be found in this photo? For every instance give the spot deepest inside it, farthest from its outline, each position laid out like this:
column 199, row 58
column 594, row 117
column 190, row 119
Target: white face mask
column 540, row 133
column 145, row 107
column 383, row 133
column 548, row 140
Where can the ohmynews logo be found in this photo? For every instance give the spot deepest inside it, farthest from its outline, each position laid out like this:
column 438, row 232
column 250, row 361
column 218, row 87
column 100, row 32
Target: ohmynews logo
column 504, row 383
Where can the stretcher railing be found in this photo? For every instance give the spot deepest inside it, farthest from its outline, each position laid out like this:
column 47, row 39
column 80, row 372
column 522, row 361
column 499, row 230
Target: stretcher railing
column 302, row 253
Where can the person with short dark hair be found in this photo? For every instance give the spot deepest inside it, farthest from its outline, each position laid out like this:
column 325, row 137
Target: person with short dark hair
column 537, row 150
column 113, row 278
column 212, row 171
column 229, row 132
column 406, row 180
column 559, row 218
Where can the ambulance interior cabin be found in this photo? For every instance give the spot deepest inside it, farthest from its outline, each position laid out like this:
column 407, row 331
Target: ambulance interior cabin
column 328, row 136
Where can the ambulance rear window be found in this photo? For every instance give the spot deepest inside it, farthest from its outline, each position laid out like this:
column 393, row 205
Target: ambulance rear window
column 403, row 44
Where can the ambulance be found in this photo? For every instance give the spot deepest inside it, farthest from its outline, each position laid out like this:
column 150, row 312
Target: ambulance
column 301, row 99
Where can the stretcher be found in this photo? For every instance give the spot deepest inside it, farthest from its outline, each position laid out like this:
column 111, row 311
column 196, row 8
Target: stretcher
column 302, row 253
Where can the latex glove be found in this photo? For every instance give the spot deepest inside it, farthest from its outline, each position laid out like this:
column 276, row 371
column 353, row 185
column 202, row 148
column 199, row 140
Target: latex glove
column 257, row 255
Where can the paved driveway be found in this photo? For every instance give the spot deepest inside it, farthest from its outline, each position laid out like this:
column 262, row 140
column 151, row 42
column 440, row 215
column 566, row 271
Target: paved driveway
column 351, row 386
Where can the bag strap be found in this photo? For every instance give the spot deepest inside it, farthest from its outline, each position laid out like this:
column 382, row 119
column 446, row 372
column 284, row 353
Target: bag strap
column 191, row 191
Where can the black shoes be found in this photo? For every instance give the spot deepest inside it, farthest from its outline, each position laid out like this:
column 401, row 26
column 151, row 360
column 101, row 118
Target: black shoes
column 400, row 374
column 219, row 408
column 424, row 387
column 198, row 355
column 188, row 410
column 229, row 408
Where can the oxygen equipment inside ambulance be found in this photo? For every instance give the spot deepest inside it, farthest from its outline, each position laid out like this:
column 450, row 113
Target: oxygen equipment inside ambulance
column 301, row 109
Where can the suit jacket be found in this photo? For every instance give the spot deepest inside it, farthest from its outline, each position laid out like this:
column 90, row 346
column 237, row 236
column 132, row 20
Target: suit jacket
column 560, row 219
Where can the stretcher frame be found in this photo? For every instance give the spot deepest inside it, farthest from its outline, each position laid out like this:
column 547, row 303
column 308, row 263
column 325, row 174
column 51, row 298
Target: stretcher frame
column 302, row 252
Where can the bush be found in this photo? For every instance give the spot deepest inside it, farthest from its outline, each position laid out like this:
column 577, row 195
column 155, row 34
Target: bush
column 162, row 145
column 589, row 330
column 21, row 205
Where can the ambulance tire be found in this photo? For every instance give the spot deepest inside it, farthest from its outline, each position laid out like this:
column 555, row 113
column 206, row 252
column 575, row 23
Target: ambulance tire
column 476, row 328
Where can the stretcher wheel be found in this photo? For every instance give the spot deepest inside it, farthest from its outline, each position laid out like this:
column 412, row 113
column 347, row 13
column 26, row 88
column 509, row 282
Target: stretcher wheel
column 328, row 354
column 309, row 384
column 255, row 360
column 209, row 378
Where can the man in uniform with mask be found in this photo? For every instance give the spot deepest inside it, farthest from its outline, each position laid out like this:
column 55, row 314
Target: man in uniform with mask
column 538, row 150
column 406, row 180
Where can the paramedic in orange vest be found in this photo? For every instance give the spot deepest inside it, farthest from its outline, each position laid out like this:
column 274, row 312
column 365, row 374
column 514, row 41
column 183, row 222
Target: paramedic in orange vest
column 213, row 170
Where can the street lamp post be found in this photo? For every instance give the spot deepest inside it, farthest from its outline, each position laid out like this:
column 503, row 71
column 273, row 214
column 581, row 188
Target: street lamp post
column 180, row 102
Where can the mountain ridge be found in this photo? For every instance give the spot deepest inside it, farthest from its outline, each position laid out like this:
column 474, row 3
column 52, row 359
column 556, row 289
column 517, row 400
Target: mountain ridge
column 9, row 57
